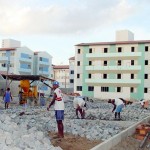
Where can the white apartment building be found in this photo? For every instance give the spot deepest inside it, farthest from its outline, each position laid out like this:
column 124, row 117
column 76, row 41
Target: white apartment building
column 113, row 69
column 61, row 74
column 43, row 66
column 23, row 61
column 71, row 71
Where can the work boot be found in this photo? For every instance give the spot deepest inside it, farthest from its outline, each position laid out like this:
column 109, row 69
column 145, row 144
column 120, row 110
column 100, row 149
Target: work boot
column 78, row 117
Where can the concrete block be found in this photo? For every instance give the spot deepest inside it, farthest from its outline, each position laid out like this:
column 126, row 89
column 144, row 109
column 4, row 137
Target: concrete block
column 116, row 139
column 103, row 146
column 123, row 135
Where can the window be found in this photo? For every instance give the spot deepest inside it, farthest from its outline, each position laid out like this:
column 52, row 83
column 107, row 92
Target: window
column 132, row 90
column 12, row 53
column 3, row 54
column 90, row 76
column 71, row 81
column 78, row 63
column 4, row 65
column 146, row 62
column 145, row 90
column 146, row 48
column 119, row 62
column 104, row 89
column 79, row 51
column 145, row 76
column 104, row 76
column 118, row 89
column 90, row 88
column 119, row 49
column 132, row 62
column 78, row 76
column 118, row 76
column 79, row 88
column 105, row 50
column 90, row 50
column 72, row 72
column 132, row 76
column 132, row 49
column 105, row 63
column 90, row 63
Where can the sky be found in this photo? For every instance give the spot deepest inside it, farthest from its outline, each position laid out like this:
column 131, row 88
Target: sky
column 56, row 26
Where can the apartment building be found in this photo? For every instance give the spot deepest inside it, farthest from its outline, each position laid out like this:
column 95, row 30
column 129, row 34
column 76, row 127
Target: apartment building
column 19, row 59
column 23, row 61
column 71, row 72
column 43, row 66
column 113, row 69
column 61, row 74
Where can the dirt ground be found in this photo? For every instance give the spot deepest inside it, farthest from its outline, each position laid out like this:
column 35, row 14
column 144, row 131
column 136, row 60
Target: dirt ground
column 130, row 143
column 71, row 142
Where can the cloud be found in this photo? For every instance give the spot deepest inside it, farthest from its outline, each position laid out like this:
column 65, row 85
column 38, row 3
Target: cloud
column 56, row 18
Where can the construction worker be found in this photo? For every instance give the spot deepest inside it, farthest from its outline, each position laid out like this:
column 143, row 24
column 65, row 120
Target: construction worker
column 79, row 105
column 7, row 98
column 144, row 103
column 59, row 108
column 118, row 105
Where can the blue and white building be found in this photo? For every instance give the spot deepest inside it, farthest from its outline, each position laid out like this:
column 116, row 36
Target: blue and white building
column 23, row 61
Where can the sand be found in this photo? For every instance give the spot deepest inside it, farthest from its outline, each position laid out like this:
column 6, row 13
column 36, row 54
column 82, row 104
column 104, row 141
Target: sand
column 71, row 142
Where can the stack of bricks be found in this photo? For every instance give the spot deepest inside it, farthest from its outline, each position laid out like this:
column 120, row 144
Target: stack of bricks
column 142, row 130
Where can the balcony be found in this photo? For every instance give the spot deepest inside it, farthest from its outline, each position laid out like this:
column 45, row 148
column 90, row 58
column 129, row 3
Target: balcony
column 42, row 63
column 25, row 60
column 23, row 70
column 114, row 56
column 5, row 59
column 44, row 73
column 113, row 69
column 114, row 82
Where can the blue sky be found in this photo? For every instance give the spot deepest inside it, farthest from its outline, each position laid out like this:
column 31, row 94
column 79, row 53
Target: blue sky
column 56, row 26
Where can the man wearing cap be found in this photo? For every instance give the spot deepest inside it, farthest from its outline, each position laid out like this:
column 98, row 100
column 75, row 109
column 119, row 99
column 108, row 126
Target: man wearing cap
column 59, row 108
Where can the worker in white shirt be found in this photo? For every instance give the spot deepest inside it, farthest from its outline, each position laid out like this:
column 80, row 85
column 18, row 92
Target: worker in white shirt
column 59, row 108
column 79, row 104
column 144, row 103
column 118, row 105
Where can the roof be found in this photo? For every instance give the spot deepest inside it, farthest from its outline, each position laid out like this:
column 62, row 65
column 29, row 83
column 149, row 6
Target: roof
column 4, row 72
column 25, row 77
column 72, row 58
column 8, row 49
column 114, row 43
column 61, row 67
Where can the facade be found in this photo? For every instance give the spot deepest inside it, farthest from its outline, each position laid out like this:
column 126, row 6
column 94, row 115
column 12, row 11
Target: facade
column 10, row 43
column 20, row 60
column 113, row 69
column 23, row 61
column 71, row 72
column 61, row 74
column 43, row 66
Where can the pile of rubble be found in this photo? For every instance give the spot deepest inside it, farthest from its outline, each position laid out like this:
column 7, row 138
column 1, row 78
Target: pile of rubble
column 30, row 131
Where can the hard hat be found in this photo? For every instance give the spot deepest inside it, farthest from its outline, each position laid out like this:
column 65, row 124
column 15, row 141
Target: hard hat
column 56, row 83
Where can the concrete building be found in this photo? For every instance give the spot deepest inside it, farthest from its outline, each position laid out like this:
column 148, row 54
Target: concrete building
column 113, row 69
column 71, row 72
column 43, row 66
column 61, row 74
column 10, row 43
column 20, row 60
column 23, row 61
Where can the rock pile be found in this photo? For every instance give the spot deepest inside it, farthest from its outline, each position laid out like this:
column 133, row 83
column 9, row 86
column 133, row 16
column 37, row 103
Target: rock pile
column 30, row 131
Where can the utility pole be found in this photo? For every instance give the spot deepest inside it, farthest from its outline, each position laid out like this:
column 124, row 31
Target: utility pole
column 7, row 65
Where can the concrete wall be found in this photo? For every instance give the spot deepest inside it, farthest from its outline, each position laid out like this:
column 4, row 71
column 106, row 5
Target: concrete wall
column 108, row 144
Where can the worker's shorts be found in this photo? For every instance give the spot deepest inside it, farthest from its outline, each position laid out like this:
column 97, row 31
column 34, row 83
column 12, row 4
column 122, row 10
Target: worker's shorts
column 119, row 108
column 59, row 114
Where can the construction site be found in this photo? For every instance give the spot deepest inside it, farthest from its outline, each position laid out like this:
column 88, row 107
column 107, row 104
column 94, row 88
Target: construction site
column 27, row 125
